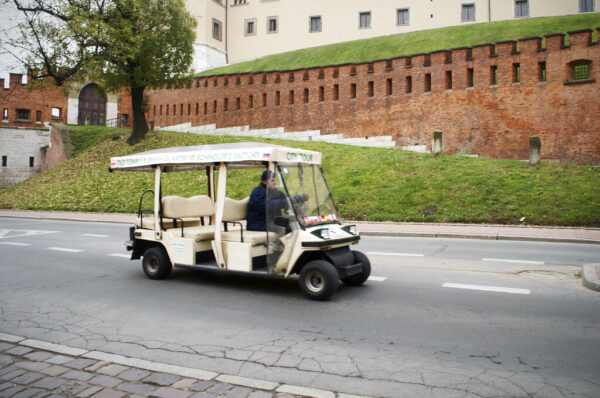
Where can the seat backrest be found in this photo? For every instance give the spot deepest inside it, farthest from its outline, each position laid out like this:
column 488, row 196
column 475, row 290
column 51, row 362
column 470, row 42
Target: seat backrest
column 235, row 210
column 178, row 207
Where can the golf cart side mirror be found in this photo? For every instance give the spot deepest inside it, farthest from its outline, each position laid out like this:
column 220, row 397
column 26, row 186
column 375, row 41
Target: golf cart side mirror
column 283, row 222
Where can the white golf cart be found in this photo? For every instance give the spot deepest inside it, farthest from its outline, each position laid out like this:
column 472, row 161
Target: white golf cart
column 303, row 232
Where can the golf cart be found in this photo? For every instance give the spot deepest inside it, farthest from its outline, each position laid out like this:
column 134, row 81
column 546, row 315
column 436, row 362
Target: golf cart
column 303, row 233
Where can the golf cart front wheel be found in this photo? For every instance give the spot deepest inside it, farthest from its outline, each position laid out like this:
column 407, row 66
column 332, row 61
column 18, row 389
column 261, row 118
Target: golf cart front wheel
column 319, row 279
column 360, row 278
column 156, row 263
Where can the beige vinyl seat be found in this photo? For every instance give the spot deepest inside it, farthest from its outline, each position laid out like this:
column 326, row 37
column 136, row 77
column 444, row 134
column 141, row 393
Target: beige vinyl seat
column 233, row 213
column 182, row 211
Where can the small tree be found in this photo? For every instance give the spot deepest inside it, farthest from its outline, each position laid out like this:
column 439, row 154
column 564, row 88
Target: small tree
column 122, row 43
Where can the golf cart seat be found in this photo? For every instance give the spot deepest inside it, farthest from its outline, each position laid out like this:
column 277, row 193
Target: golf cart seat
column 233, row 213
column 183, row 211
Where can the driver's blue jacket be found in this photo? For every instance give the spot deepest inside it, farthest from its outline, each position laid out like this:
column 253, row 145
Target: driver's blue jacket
column 256, row 214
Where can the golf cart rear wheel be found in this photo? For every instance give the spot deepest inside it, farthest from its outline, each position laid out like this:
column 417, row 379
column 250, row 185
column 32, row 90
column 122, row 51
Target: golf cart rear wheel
column 360, row 278
column 319, row 279
column 156, row 263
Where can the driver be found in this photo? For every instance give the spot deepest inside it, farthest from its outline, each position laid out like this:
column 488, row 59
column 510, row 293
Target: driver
column 256, row 217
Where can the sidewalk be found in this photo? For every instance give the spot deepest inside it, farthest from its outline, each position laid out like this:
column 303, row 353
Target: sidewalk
column 33, row 368
column 591, row 272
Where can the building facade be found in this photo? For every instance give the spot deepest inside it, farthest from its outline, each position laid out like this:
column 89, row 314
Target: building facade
column 231, row 31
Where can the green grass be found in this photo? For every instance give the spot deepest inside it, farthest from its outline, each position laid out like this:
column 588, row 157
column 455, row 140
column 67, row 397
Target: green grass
column 373, row 184
column 412, row 43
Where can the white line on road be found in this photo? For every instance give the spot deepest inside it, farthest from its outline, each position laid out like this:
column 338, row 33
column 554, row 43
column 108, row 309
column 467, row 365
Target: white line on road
column 396, row 254
column 63, row 249
column 96, row 236
column 497, row 289
column 503, row 260
column 15, row 244
column 120, row 255
column 377, row 278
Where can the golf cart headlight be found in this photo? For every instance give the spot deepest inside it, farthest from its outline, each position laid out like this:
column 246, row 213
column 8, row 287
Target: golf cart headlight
column 322, row 233
column 351, row 229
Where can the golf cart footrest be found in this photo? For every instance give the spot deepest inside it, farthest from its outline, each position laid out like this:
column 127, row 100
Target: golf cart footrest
column 349, row 270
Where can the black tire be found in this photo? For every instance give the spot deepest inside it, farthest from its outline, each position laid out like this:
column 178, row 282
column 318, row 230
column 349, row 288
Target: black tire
column 156, row 263
column 319, row 279
column 359, row 279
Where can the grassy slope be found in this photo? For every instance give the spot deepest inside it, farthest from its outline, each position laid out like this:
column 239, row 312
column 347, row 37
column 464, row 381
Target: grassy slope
column 374, row 184
column 413, row 43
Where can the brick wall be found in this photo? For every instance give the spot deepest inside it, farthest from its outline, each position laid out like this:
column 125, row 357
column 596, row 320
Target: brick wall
column 410, row 97
column 39, row 99
column 21, row 153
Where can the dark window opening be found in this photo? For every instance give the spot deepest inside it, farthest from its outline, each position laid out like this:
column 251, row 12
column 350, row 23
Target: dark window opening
column 427, row 83
column 306, row 96
column 494, row 75
column 516, row 73
column 31, row 161
column 264, row 100
column 315, row 24
column 408, row 87
column 353, row 91
column 277, row 98
column 321, row 94
column 470, row 77
column 402, row 17
column 542, row 71
column 38, row 116
column 238, row 103
column 291, row 97
column 388, row 87
column 336, row 92
column 251, row 102
column 371, row 89
column 4, row 161
column 468, row 13
column 205, row 108
column 225, row 104
column 23, row 114
column 448, row 80
column 215, row 106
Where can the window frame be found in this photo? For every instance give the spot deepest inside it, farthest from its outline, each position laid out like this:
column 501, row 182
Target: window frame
column 247, row 23
column 519, row 10
column 369, row 19
column 24, row 112
column 468, row 6
column 219, row 25
column 312, row 18
column 583, row 6
column 399, row 12
column 269, row 20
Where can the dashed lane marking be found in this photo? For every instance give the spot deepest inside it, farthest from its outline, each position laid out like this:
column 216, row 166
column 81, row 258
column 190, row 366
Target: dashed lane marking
column 120, row 255
column 505, row 260
column 96, row 236
column 64, row 249
column 15, row 233
column 15, row 244
column 497, row 289
column 377, row 278
column 396, row 254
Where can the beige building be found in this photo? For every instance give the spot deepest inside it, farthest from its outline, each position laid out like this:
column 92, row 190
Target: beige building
column 231, row 31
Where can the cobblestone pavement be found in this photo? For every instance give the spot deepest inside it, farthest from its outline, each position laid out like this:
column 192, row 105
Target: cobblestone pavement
column 27, row 372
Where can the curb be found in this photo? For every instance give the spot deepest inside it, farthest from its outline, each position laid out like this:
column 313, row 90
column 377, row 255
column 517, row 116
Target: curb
column 174, row 369
column 591, row 276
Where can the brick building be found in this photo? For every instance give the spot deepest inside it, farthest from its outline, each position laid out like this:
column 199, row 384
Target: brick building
column 488, row 100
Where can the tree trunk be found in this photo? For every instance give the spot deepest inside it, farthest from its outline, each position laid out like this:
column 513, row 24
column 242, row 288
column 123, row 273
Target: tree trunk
column 140, row 127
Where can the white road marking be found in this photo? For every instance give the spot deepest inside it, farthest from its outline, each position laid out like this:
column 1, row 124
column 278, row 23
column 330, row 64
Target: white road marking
column 396, row 254
column 504, row 260
column 96, row 236
column 14, row 233
column 120, row 255
column 497, row 289
column 64, row 249
column 15, row 244
column 377, row 278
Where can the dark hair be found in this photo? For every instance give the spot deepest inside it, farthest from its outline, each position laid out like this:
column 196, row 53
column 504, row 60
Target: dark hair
column 267, row 175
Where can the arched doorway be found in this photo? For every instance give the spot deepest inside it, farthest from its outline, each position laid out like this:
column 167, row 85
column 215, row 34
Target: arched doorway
column 92, row 106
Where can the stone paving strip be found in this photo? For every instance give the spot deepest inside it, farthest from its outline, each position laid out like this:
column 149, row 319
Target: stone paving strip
column 32, row 368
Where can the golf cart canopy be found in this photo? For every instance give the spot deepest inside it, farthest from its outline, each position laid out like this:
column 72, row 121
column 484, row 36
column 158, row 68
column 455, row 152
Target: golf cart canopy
column 236, row 155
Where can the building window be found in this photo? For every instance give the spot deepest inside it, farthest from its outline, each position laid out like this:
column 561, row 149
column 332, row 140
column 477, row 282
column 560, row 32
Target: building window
column 516, row 70
column 402, row 17
column 4, row 161
column 315, row 24
column 408, row 87
column 542, row 71
column 364, row 20
column 31, row 161
column 250, row 27
column 468, row 13
column 321, row 94
column 38, row 116
column 238, row 104
column 470, row 77
column 586, row 5
column 306, row 96
column 388, row 87
column 5, row 114
column 371, row 89
column 291, row 97
column 427, row 83
column 521, row 8
column 264, row 100
column 493, row 75
column 225, row 104
column 217, row 31
column 336, row 92
column 238, row 2
column 272, row 25
column 215, row 106
column 57, row 113
column 353, row 91
column 448, row 80
column 579, row 70
column 23, row 114
column 277, row 98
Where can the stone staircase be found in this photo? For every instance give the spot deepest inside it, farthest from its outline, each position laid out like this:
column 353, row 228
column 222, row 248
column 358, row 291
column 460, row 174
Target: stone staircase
column 384, row 141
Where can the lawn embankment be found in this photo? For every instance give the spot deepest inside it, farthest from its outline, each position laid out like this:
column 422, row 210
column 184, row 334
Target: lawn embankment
column 369, row 184
column 411, row 43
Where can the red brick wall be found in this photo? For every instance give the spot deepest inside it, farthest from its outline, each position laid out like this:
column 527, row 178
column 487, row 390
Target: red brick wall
column 41, row 97
column 487, row 120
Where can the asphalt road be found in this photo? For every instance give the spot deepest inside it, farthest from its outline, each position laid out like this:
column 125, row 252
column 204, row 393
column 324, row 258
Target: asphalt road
column 439, row 318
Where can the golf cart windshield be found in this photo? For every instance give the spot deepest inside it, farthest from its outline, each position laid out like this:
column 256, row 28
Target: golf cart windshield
column 309, row 193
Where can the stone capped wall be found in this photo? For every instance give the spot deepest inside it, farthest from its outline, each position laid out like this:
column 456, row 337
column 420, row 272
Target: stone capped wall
column 18, row 146
column 534, row 92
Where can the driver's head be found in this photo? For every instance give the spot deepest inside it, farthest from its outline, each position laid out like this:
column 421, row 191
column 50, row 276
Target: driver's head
column 268, row 178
